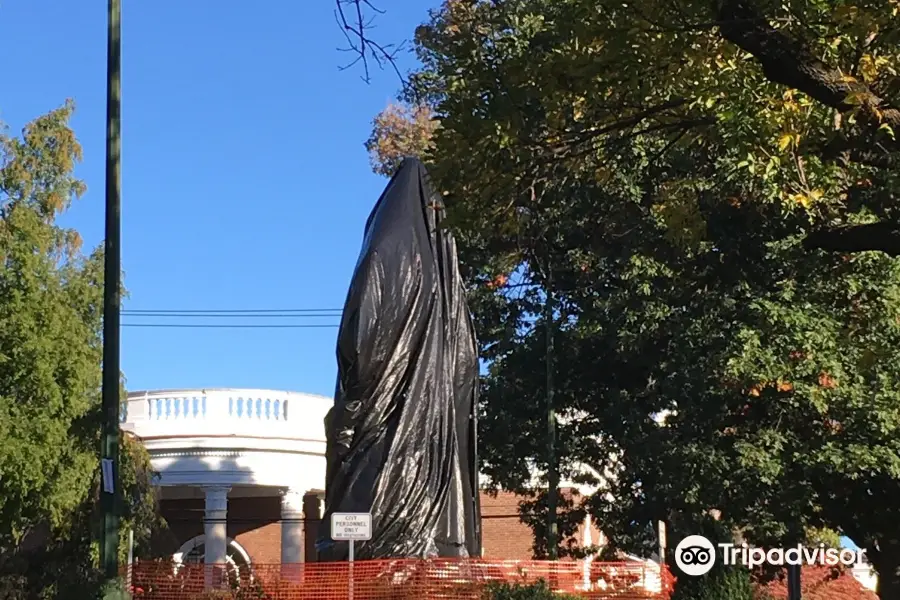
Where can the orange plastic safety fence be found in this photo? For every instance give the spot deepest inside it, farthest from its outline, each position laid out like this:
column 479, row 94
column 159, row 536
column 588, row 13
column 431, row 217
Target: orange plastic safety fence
column 441, row 579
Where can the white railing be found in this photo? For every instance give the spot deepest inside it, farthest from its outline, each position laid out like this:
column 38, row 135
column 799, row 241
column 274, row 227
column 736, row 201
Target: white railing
column 165, row 408
column 224, row 410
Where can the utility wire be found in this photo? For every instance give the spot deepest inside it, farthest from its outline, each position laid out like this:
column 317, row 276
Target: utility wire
column 246, row 313
column 231, row 315
column 232, row 326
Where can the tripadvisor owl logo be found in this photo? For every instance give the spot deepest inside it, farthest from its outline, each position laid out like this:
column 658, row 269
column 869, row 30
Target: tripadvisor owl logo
column 695, row 555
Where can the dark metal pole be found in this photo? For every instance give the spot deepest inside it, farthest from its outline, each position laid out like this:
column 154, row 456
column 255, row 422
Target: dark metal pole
column 793, row 581
column 109, row 453
column 793, row 571
column 552, row 468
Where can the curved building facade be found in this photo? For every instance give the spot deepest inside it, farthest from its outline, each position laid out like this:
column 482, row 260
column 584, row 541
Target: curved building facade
column 242, row 476
column 241, row 471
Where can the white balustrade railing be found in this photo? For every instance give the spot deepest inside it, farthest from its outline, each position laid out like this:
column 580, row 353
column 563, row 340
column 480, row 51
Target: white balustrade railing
column 195, row 407
column 214, row 404
column 258, row 408
column 224, row 410
column 184, row 407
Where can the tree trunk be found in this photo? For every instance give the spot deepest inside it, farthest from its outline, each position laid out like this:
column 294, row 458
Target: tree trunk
column 883, row 236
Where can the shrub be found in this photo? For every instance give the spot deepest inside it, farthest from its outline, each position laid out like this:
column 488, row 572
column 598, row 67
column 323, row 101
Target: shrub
column 13, row 587
column 534, row 591
column 114, row 590
column 732, row 583
column 216, row 595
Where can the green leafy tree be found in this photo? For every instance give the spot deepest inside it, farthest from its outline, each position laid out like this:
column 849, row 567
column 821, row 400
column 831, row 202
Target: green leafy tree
column 679, row 172
column 50, row 345
column 50, row 373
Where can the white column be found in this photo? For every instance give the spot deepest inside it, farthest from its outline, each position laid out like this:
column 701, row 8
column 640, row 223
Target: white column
column 587, row 542
column 215, row 529
column 291, row 533
column 291, row 526
column 661, row 533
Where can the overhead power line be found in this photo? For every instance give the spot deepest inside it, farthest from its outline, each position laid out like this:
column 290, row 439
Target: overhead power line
column 239, row 311
column 150, row 318
column 167, row 315
column 233, row 326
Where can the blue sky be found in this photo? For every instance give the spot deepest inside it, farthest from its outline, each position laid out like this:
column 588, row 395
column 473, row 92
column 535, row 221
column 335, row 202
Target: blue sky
column 245, row 183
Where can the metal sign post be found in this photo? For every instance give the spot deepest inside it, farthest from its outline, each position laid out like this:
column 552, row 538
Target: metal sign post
column 793, row 582
column 128, row 574
column 351, row 527
column 350, row 572
column 661, row 533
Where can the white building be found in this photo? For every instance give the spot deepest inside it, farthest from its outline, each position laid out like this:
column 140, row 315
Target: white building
column 247, row 449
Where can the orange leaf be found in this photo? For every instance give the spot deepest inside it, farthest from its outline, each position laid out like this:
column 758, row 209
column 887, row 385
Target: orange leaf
column 498, row 281
column 827, row 381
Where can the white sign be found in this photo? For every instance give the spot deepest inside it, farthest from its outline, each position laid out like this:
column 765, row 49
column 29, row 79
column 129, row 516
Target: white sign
column 106, row 471
column 351, row 526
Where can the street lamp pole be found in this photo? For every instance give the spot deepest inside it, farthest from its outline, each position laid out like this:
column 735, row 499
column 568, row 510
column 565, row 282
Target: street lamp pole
column 109, row 452
column 793, row 582
column 552, row 467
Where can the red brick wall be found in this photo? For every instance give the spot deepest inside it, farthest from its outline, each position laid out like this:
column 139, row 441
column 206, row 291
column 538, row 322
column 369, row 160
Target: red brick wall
column 503, row 534
column 254, row 523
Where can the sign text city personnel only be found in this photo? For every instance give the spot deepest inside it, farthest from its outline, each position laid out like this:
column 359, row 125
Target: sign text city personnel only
column 351, row 526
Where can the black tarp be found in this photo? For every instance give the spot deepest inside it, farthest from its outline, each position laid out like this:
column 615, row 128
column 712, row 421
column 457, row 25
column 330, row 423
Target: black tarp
column 402, row 432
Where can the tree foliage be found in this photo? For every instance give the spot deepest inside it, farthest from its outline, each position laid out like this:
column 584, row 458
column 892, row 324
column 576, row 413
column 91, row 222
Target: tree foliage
column 722, row 583
column 51, row 299
column 708, row 192
column 397, row 132
column 50, row 342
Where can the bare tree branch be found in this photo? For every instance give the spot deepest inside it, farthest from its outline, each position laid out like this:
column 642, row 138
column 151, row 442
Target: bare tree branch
column 355, row 28
column 861, row 150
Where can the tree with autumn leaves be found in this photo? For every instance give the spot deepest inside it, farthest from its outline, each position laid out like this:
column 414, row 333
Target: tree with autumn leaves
column 708, row 192
column 51, row 298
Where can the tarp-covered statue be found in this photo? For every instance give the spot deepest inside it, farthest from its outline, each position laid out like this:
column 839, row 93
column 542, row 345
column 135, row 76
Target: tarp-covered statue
column 402, row 432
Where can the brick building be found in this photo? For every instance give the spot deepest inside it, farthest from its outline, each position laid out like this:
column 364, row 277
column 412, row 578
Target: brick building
column 254, row 528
